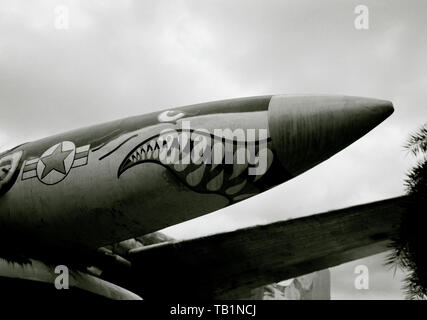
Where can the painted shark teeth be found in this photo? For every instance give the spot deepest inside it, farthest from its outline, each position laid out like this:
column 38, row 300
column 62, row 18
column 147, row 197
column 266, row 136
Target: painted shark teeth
column 148, row 151
column 229, row 177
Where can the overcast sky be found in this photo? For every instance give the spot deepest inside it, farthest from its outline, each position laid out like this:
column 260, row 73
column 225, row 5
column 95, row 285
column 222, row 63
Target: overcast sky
column 122, row 58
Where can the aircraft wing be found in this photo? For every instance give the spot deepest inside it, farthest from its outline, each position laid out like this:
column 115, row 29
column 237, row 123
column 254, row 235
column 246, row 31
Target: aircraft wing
column 228, row 265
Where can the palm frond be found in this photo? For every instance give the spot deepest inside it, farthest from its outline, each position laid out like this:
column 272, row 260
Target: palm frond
column 410, row 243
column 417, row 142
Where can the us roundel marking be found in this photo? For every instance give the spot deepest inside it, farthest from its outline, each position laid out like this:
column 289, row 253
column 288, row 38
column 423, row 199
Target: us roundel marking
column 55, row 163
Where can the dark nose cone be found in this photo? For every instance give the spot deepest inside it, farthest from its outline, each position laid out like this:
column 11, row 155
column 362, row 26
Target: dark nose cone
column 306, row 130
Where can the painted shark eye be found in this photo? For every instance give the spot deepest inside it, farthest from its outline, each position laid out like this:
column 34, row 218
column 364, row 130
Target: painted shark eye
column 170, row 116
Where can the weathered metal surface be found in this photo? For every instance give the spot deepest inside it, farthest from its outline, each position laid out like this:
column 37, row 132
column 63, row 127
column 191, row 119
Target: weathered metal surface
column 103, row 184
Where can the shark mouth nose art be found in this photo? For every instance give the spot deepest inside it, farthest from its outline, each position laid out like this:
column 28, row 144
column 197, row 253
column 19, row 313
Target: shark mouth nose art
column 220, row 165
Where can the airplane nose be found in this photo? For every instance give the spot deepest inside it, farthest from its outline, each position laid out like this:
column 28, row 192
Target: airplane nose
column 306, row 130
